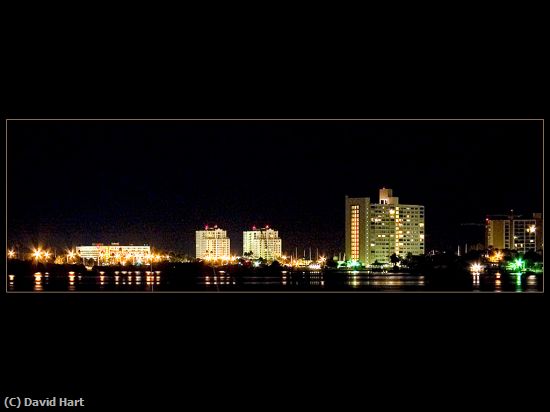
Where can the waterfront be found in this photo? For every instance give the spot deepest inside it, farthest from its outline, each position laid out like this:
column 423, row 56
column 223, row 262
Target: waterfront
column 270, row 281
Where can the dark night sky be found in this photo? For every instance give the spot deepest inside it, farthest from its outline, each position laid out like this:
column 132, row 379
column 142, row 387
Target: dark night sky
column 156, row 182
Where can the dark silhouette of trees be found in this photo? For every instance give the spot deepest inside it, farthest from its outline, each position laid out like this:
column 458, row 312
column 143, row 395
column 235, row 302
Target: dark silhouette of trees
column 395, row 259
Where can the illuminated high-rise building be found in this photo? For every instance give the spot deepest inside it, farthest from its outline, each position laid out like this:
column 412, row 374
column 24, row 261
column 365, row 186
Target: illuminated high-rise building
column 262, row 243
column 497, row 233
column 512, row 232
column 375, row 231
column 357, row 228
column 212, row 244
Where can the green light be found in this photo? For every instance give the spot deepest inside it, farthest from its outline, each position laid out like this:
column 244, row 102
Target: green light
column 350, row 264
column 519, row 264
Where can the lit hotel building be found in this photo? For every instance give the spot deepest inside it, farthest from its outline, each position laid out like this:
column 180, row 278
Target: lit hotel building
column 262, row 243
column 513, row 233
column 115, row 253
column 212, row 244
column 375, row 231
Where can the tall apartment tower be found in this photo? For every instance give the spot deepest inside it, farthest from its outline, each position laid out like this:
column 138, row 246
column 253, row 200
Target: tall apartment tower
column 263, row 243
column 357, row 228
column 514, row 233
column 212, row 243
column 375, row 231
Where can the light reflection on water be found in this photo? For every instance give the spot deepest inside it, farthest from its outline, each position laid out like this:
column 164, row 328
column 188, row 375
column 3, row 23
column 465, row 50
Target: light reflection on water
column 519, row 287
column 385, row 281
column 316, row 278
column 151, row 280
column 221, row 280
column 72, row 286
column 510, row 282
column 353, row 279
column 475, row 281
column 38, row 287
column 498, row 283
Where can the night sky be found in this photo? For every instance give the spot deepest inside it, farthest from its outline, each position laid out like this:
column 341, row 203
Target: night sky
column 156, row 182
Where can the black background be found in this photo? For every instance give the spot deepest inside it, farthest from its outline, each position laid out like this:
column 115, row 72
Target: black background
column 163, row 351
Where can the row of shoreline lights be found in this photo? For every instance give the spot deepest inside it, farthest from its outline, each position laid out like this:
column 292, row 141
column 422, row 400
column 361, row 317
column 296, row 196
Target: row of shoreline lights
column 39, row 254
column 284, row 259
column 517, row 264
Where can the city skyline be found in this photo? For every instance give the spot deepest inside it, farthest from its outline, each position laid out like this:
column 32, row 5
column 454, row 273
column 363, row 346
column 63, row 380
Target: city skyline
column 83, row 182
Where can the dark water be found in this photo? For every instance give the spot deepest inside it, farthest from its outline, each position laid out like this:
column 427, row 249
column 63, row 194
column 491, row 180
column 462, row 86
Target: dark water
column 219, row 281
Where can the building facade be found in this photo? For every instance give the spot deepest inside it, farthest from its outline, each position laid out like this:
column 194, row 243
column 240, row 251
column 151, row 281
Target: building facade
column 114, row 254
column 212, row 244
column 262, row 243
column 514, row 233
column 375, row 231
